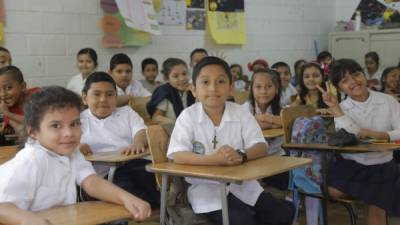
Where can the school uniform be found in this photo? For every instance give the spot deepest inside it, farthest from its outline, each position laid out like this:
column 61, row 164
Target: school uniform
column 287, row 94
column 239, row 85
column 150, row 86
column 113, row 133
column 194, row 131
column 135, row 88
column 37, row 178
column 76, row 84
column 372, row 177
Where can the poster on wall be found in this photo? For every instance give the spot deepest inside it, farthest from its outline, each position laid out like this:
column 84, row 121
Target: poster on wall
column 172, row 12
column 116, row 33
column 379, row 12
column 226, row 21
column 2, row 21
column 195, row 15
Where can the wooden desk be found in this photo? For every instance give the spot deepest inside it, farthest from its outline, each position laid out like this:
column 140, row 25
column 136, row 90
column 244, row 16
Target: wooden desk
column 251, row 170
column 7, row 153
column 113, row 159
column 272, row 133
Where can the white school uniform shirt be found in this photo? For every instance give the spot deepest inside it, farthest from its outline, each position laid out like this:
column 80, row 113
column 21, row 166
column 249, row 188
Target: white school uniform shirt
column 167, row 106
column 239, row 85
column 37, row 178
column 76, row 84
column 111, row 133
column 194, row 131
column 380, row 112
column 135, row 88
column 287, row 94
column 274, row 147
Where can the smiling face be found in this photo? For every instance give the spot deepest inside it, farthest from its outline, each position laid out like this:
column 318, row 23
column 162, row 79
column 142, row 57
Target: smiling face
column 392, row 79
column 122, row 74
column 354, row 85
column 264, row 89
column 101, row 98
column 59, row 130
column 85, row 64
column 212, row 87
column 312, row 78
column 178, row 77
column 11, row 90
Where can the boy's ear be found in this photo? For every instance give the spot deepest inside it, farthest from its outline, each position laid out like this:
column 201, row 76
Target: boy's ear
column 231, row 89
column 83, row 95
column 23, row 86
column 193, row 90
column 30, row 132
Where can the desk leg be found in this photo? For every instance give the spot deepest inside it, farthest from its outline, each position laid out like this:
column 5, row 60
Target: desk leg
column 111, row 173
column 324, row 165
column 163, row 207
column 224, row 201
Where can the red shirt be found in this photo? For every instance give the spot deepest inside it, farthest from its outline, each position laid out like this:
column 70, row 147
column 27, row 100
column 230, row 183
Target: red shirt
column 17, row 109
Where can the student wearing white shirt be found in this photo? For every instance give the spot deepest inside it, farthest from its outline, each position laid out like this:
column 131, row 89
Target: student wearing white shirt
column 288, row 90
column 127, row 87
column 216, row 132
column 237, row 73
column 86, row 63
column 45, row 172
column 108, row 128
column 373, row 72
column 371, row 177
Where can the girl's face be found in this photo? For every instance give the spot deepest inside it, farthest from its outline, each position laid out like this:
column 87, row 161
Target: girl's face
column 212, row 87
column 235, row 71
column 122, row 74
column 178, row 77
column 85, row 64
column 150, row 72
column 264, row 89
column 312, row 78
column 392, row 79
column 101, row 98
column 59, row 131
column 285, row 75
column 354, row 85
column 371, row 65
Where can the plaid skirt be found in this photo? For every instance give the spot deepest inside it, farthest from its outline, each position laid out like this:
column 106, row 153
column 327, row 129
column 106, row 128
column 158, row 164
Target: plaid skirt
column 377, row 185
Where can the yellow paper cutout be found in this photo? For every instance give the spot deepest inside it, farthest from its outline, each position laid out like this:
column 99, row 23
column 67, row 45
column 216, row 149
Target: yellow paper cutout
column 1, row 33
column 227, row 27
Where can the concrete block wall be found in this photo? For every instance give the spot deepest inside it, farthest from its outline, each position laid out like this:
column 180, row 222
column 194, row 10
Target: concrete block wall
column 45, row 35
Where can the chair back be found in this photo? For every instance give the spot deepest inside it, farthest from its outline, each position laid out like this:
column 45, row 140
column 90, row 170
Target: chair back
column 240, row 96
column 138, row 104
column 289, row 115
column 158, row 145
column 7, row 153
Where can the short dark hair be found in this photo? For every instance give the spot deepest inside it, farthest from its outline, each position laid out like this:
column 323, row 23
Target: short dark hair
column 374, row 56
column 149, row 61
column 211, row 60
column 118, row 59
column 280, row 64
column 14, row 72
column 198, row 50
column 169, row 63
column 323, row 55
column 341, row 67
column 98, row 77
column 90, row 52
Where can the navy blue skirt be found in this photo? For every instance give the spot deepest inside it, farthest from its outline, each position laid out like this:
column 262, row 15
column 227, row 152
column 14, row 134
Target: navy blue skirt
column 377, row 185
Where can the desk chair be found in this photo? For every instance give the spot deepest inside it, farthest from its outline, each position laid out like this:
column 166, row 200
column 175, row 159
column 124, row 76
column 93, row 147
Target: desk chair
column 7, row 153
column 138, row 104
column 240, row 96
column 289, row 115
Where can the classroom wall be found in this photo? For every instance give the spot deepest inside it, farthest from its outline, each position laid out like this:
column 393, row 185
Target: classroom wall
column 345, row 9
column 45, row 35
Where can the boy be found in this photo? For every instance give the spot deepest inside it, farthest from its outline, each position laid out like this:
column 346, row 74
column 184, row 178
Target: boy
column 150, row 72
column 196, row 55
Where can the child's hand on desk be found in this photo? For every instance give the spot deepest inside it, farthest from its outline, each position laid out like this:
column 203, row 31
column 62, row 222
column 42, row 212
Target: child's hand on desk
column 229, row 156
column 133, row 149
column 85, row 149
column 137, row 207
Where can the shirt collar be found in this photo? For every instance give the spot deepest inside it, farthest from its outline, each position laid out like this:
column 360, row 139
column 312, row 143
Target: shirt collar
column 228, row 115
column 36, row 146
column 373, row 99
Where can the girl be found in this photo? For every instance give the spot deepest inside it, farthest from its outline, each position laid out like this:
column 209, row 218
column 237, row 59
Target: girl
column 86, row 63
column 207, row 133
column 45, row 172
column 390, row 81
column 108, row 128
column 297, row 69
column 237, row 73
column 288, row 91
column 127, row 88
column 171, row 98
column 373, row 74
column 371, row 177
column 311, row 76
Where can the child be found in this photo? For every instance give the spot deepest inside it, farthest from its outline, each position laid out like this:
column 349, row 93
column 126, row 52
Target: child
column 373, row 74
column 264, row 103
column 237, row 73
column 288, row 91
column 150, row 72
column 127, row 88
column 297, row 68
column 390, row 81
column 210, row 133
column 257, row 64
column 86, row 63
column 45, row 172
column 108, row 128
column 325, row 60
column 311, row 76
column 13, row 93
column 5, row 57
column 371, row 177
column 168, row 100
column 196, row 55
